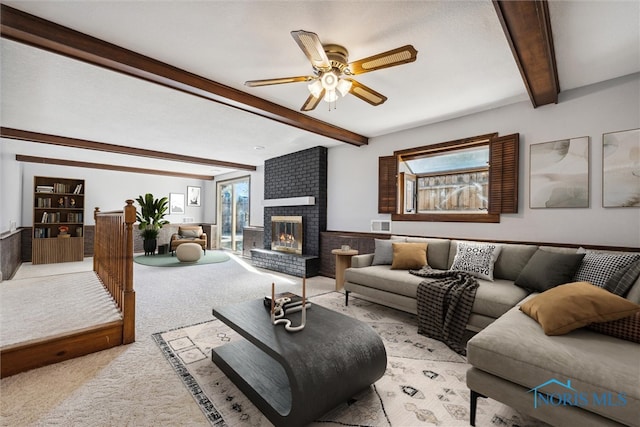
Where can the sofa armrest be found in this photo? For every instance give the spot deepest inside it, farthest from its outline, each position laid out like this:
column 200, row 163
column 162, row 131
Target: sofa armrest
column 364, row 260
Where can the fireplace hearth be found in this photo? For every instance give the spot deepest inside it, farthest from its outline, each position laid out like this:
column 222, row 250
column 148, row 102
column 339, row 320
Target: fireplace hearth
column 286, row 234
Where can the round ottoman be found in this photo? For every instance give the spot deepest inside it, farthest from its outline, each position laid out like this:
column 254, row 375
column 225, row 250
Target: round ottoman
column 188, row 252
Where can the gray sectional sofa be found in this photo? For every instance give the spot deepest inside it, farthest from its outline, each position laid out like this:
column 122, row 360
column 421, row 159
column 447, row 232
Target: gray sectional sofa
column 510, row 355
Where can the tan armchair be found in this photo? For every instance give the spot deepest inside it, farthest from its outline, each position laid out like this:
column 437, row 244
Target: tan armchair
column 188, row 234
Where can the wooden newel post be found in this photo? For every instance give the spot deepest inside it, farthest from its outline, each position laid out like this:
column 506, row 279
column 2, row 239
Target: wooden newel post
column 129, row 333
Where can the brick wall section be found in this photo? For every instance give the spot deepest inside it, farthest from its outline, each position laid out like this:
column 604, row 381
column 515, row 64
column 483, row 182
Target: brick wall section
column 294, row 265
column 364, row 243
column 299, row 174
column 89, row 236
column 25, row 244
column 10, row 254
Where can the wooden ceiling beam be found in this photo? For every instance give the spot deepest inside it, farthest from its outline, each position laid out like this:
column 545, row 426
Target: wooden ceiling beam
column 34, row 31
column 63, row 141
column 90, row 165
column 527, row 26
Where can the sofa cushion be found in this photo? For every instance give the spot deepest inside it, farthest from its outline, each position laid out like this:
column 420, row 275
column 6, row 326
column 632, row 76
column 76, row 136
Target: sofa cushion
column 515, row 348
column 512, row 259
column 627, row 328
column 621, row 282
column 408, row 255
column 567, row 307
column 476, row 258
column 547, row 269
column 493, row 299
column 598, row 267
column 382, row 277
column 438, row 253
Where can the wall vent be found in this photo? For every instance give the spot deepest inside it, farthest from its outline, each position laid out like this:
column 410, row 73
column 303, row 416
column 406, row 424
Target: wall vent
column 187, row 219
column 380, row 226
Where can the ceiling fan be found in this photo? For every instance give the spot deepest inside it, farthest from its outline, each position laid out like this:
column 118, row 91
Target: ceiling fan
column 332, row 72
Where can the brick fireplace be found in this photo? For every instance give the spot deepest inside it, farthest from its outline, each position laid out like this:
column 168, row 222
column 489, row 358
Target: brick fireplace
column 295, row 185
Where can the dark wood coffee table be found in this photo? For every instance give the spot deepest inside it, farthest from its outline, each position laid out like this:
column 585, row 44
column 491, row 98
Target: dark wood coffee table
column 296, row 377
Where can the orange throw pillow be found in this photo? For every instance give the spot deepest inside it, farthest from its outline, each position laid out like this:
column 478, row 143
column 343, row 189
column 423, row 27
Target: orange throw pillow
column 408, row 256
column 564, row 308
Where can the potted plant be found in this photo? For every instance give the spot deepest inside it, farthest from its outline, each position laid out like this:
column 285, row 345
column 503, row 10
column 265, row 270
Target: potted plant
column 151, row 219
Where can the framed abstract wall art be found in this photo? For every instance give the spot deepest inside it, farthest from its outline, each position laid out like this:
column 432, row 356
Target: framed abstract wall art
column 193, row 196
column 559, row 174
column 176, row 203
column 621, row 169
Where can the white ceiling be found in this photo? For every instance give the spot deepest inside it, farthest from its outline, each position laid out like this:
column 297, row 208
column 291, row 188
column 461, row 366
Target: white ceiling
column 464, row 65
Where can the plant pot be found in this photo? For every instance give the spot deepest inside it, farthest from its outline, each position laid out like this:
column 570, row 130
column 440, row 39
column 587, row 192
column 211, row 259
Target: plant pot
column 150, row 246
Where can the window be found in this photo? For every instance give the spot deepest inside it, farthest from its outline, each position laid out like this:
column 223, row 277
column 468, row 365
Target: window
column 468, row 180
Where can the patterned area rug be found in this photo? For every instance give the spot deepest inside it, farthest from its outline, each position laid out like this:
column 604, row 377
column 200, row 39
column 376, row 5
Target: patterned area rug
column 424, row 383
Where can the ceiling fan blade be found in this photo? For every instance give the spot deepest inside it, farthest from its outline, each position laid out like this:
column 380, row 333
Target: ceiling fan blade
column 312, row 102
column 366, row 93
column 312, row 47
column 391, row 58
column 266, row 82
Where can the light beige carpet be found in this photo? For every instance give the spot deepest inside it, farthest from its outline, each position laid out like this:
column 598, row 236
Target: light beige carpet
column 133, row 385
column 424, row 384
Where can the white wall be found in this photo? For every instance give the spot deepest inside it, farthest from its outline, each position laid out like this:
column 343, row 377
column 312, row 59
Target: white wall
column 10, row 189
column 591, row 111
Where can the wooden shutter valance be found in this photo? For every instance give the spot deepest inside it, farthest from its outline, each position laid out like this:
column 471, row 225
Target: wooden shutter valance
column 387, row 184
column 503, row 174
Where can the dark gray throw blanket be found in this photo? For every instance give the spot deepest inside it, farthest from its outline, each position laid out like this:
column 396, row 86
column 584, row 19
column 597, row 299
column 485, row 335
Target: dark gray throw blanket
column 444, row 305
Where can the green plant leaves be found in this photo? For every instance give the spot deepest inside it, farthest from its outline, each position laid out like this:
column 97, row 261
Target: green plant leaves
column 151, row 214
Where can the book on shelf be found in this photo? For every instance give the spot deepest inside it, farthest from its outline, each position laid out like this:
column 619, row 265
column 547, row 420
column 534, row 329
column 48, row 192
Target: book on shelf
column 44, row 188
column 41, row 233
column 78, row 189
column 43, row 202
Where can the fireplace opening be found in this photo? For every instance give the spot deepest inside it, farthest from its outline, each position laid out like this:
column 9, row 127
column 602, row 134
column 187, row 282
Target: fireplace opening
column 286, row 234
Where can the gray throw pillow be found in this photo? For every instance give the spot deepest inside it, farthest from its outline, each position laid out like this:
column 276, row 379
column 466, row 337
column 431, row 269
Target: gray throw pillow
column 383, row 254
column 190, row 233
column 623, row 279
column 546, row 270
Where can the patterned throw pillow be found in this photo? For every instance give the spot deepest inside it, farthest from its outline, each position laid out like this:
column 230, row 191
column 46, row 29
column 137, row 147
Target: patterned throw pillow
column 598, row 267
column 476, row 259
column 627, row 328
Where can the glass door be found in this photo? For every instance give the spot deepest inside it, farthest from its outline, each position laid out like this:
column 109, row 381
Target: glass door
column 233, row 212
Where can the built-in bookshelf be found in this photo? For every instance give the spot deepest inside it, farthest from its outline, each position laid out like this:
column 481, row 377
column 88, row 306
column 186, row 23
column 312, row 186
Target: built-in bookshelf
column 58, row 220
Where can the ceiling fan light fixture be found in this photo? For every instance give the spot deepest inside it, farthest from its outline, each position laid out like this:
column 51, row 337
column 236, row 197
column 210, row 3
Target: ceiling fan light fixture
column 332, row 72
column 329, row 80
column 344, row 86
column 331, row 96
column 315, row 88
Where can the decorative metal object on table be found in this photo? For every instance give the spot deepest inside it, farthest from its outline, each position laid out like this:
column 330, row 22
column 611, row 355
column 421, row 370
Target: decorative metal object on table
column 278, row 309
